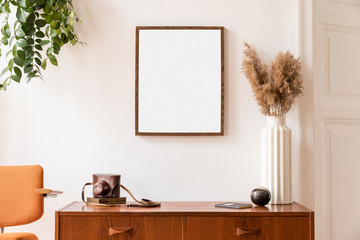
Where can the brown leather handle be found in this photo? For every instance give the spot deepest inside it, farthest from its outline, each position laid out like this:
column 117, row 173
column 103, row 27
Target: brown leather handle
column 122, row 230
column 241, row 232
column 83, row 191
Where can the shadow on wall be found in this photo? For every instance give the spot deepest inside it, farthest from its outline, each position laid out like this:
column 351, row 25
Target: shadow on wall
column 305, row 172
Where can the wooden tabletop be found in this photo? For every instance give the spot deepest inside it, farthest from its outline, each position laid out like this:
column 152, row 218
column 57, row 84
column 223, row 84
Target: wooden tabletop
column 185, row 208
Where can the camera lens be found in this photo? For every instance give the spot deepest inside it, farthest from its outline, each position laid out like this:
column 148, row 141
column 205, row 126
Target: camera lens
column 101, row 188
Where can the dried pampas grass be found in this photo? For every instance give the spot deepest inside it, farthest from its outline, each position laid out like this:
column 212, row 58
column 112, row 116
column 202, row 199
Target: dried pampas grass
column 275, row 88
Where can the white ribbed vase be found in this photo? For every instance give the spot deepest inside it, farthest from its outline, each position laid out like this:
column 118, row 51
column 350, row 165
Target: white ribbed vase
column 276, row 159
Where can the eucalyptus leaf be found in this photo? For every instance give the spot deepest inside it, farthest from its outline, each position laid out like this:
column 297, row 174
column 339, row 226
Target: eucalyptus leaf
column 7, row 7
column 18, row 72
column 21, row 42
column 18, row 61
column 11, row 63
column 2, row 8
column 56, row 50
column 15, row 24
column 38, row 54
column 70, row 36
column 40, row 34
column 4, row 41
column 31, row 9
column 21, row 54
column 30, row 31
column 30, row 41
column 20, row 33
column 38, row 61
column 53, row 33
column 64, row 38
column 28, row 68
column 7, row 69
column 8, row 53
column 31, row 75
column 56, row 46
column 53, row 60
column 11, row 40
column 6, row 31
column 38, row 47
column 28, row 61
column 44, row 42
column 21, row 15
column 49, row 50
column 43, row 64
column 30, row 2
column 29, row 53
column 15, row 78
column 30, row 18
column 14, row 51
column 28, row 48
column 47, row 31
column 26, row 26
column 40, row 23
column 56, row 40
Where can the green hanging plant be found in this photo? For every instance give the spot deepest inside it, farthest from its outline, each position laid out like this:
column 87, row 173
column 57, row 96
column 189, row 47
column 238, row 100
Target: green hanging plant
column 41, row 28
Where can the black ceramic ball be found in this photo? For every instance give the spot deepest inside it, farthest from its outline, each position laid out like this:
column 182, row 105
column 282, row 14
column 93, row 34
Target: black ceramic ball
column 260, row 196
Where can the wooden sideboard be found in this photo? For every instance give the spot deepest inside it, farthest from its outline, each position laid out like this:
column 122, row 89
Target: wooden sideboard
column 184, row 221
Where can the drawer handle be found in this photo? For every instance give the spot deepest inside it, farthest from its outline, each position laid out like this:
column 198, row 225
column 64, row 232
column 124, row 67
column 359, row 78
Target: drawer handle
column 122, row 230
column 241, row 232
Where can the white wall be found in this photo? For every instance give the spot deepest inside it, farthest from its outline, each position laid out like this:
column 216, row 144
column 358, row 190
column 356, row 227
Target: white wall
column 81, row 119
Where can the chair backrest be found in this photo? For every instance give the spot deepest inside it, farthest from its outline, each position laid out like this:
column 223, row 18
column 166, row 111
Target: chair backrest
column 19, row 204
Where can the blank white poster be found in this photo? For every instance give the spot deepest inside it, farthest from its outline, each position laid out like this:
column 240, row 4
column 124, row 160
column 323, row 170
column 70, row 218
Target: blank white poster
column 179, row 77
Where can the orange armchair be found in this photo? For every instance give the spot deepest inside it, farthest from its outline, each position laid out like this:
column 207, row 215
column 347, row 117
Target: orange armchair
column 19, row 203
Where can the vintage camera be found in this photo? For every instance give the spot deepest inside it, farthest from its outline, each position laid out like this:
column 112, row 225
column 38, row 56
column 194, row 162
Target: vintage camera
column 106, row 191
column 106, row 185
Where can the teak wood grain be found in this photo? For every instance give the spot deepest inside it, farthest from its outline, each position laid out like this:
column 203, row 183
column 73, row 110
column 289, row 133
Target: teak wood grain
column 219, row 228
column 185, row 221
column 136, row 228
column 137, row 132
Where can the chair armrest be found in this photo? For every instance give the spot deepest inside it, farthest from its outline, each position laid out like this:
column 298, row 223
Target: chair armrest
column 48, row 192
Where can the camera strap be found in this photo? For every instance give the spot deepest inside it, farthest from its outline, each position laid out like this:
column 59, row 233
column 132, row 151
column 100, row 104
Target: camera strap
column 142, row 203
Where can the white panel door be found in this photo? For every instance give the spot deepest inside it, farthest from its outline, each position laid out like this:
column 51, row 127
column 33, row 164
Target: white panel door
column 337, row 119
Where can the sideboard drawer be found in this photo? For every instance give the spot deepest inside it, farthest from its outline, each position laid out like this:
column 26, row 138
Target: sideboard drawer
column 249, row 228
column 120, row 228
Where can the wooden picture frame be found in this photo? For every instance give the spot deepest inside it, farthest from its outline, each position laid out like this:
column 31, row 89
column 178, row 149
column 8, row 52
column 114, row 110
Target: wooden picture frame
column 149, row 43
